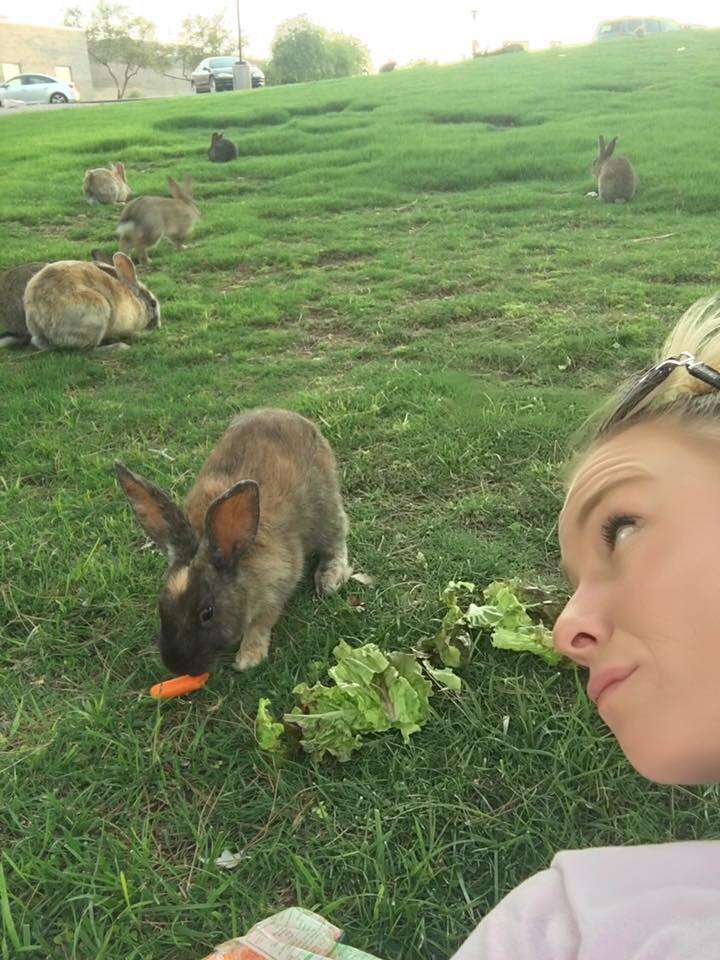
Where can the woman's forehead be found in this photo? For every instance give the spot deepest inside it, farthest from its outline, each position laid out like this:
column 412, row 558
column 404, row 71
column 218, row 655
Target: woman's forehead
column 641, row 452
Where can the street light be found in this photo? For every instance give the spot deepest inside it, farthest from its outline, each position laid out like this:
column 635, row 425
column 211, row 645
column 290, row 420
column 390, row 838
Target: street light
column 240, row 56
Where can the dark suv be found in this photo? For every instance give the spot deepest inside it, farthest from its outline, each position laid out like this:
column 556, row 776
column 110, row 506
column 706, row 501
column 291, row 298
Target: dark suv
column 216, row 73
column 633, row 27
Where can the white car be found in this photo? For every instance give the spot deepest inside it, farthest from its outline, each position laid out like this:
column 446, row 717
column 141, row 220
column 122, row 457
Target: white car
column 37, row 88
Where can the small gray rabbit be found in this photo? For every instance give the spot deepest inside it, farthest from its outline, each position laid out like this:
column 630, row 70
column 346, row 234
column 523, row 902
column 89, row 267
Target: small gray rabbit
column 222, row 150
column 13, row 281
column 616, row 179
column 73, row 303
column 265, row 500
column 146, row 220
column 106, row 184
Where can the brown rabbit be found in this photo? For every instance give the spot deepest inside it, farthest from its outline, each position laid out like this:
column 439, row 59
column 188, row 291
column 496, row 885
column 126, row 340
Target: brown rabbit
column 146, row 220
column 13, row 281
column 73, row 303
column 266, row 498
column 616, row 179
column 106, row 184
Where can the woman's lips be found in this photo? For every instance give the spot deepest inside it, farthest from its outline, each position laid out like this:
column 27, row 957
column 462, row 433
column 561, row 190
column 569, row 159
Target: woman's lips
column 607, row 679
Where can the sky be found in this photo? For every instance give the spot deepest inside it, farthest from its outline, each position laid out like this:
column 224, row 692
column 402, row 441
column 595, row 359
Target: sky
column 400, row 30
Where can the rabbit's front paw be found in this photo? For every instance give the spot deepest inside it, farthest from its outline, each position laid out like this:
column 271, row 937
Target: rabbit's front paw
column 253, row 650
column 330, row 576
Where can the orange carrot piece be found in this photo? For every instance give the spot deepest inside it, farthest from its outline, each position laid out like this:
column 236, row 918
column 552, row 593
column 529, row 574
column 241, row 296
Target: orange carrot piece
column 178, row 686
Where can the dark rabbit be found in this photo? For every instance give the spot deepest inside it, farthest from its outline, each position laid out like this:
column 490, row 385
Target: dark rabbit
column 266, row 499
column 13, row 281
column 222, row 150
column 616, row 179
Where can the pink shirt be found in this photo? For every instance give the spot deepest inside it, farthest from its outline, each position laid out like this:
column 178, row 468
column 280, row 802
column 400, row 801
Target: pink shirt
column 658, row 902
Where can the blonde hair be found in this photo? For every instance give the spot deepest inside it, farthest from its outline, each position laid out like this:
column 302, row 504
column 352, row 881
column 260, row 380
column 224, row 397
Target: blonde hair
column 679, row 398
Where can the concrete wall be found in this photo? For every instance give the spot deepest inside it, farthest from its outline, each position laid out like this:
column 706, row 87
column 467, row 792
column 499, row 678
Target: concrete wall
column 147, row 83
column 42, row 49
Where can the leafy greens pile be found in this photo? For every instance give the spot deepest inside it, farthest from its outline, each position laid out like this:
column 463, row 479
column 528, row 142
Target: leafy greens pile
column 372, row 691
column 504, row 615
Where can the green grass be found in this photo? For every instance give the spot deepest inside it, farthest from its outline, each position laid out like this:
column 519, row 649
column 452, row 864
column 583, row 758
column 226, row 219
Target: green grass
column 438, row 293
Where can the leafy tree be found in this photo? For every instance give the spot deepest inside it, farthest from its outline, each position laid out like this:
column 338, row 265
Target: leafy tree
column 201, row 37
column 347, row 56
column 124, row 44
column 304, row 51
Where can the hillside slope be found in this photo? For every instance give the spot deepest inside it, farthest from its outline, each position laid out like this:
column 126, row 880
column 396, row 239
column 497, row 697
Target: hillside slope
column 411, row 260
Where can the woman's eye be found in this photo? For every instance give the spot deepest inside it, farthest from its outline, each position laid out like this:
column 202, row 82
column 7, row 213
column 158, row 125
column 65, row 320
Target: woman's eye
column 206, row 614
column 616, row 528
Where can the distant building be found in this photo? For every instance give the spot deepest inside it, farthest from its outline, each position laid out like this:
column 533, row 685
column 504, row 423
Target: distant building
column 59, row 52
column 62, row 52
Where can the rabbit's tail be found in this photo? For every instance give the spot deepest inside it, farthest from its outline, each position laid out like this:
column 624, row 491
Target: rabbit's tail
column 125, row 229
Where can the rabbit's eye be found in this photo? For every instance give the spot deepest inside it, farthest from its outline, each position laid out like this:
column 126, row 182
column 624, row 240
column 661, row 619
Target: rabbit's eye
column 206, row 614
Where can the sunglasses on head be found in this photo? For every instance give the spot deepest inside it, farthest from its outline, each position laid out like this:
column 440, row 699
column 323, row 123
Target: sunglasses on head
column 655, row 376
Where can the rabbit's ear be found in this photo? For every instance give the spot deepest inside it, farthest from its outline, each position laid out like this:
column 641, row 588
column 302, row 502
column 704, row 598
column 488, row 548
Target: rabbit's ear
column 231, row 523
column 188, row 184
column 97, row 256
column 120, row 170
column 163, row 521
column 126, row 271
column 601, row 144
column 174, row 188
column 214, row 138
column 611, row 146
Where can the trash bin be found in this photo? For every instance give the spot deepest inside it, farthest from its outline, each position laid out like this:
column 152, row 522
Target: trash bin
column 242, row 78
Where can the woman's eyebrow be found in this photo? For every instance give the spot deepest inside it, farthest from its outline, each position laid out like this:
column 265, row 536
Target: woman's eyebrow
column 600, row 494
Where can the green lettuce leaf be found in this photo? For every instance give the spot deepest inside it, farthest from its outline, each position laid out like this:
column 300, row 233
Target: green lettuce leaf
column 267, row 730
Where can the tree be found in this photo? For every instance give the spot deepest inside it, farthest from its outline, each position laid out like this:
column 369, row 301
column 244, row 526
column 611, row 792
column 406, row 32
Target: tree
column 122, row 43
column 304, row 51
column 201, row 37
column 347, row 56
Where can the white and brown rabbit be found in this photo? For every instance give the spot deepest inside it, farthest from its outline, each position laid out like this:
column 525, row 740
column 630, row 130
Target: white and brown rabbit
column 107, row 184
column 146, row 220
column 222, row 150
column 616, row 179
column 266, row 499
column 13, row 281
column 73, row 303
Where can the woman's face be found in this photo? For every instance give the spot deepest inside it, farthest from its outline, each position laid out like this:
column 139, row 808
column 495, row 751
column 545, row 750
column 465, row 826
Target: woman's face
column 640, row 540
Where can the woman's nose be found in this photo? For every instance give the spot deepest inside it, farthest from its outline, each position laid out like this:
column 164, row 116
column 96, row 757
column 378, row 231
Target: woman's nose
column 581, row 627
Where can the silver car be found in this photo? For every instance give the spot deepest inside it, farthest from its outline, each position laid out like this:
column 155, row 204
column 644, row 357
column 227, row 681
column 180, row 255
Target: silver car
column 37, row 88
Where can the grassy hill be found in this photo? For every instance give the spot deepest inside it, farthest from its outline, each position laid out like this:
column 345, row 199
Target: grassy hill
column 411, row 260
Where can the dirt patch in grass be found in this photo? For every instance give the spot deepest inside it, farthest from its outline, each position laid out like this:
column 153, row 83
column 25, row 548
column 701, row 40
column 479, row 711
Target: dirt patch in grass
column 333, row 258
column 313, row 109
column 113, row 145
column 502, row 120
column 235, row 121
column 616, row 87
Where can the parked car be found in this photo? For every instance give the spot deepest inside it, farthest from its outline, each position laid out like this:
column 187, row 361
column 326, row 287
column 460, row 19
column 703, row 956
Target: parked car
column 216, row 73
column 37, row 88
column 633, row 27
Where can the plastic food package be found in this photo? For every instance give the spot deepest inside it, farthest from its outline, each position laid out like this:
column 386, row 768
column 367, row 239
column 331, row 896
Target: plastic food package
column 294, row 934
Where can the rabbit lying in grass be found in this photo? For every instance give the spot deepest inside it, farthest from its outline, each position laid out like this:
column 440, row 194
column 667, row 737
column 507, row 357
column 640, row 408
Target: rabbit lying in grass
column 72, row 303
column 106, row 184
column 146, row 220
column 222, row 150
column 13, row 281
column 266, row 498
column 616, row 179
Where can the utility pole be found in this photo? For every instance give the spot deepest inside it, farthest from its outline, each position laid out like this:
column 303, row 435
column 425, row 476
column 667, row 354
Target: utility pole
column 240, row 56
column 475, row 45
